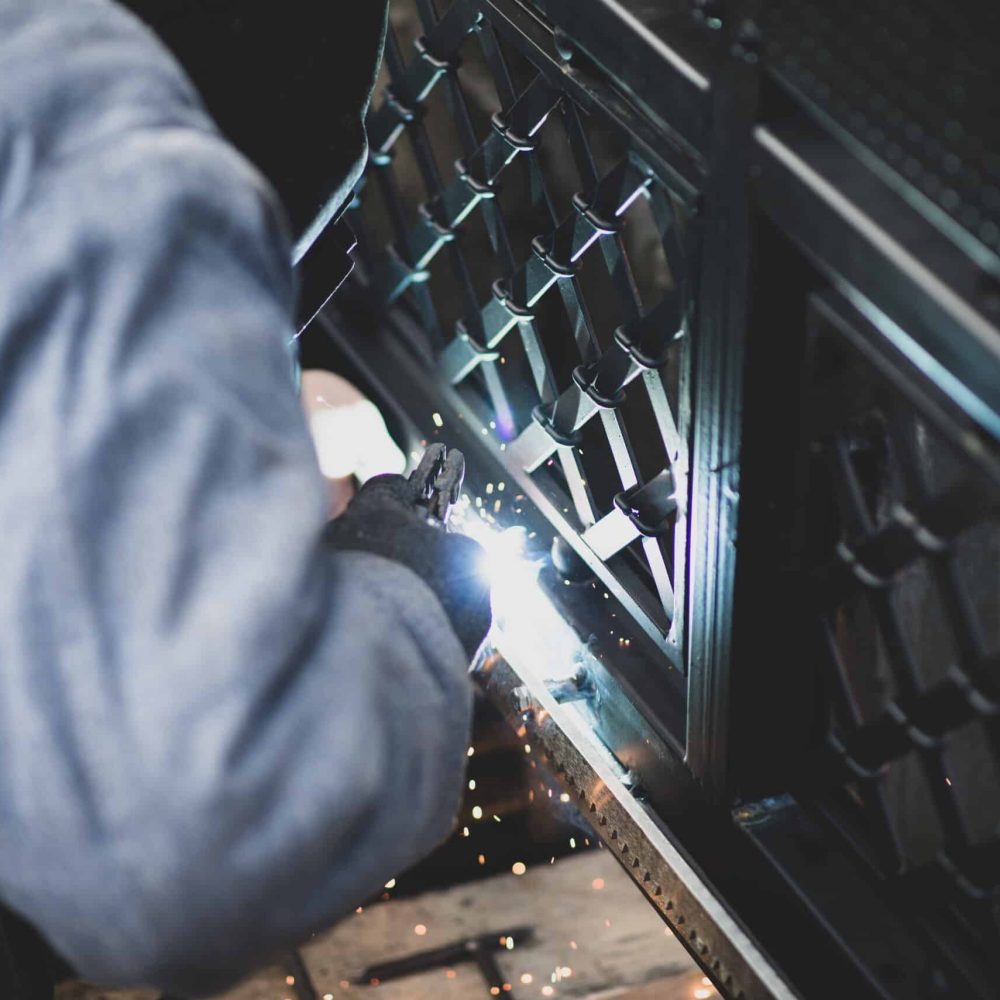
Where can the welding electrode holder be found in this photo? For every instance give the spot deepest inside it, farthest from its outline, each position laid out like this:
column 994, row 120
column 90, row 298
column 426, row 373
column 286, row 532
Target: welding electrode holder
column 403, row 519
column 438, row 479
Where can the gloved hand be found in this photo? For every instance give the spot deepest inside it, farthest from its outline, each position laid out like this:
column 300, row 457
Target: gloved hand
column 384, row 519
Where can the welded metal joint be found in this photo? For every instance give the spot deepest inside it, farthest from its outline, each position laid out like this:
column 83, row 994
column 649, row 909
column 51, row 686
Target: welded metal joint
column 544, row 416
column 405, row 113
column 442, row 232
column 398, row 275
column 864, row 575
column 441, row 65
column 521, row 700
column 924, row 537
column 564, row 45
column 649, row 339
column 502, row 293
column 981, row 700
column 579, row 687
column 542, row 248
column 480, row 352
column 754, row 813
column 592, row 379
column 603, row 225
column 478, row 188
column 650, row 507
column 503, row 128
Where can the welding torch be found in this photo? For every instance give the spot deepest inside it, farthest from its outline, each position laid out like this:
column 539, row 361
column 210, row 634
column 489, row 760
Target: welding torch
column 406, row 520
column 438, row 480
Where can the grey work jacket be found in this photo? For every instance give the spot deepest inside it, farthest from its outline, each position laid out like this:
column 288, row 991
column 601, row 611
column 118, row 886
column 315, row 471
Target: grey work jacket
column 216, row 736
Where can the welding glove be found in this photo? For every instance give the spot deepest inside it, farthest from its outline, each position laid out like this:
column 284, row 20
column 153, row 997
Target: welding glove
column 385, row 519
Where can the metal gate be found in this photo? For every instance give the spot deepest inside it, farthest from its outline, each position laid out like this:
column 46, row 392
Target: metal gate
column 709, row 294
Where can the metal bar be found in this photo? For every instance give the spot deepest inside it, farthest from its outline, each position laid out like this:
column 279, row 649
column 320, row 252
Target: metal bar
column 302, row 983
column 468, row 189
column 554, row 260
column 644, row 849
column 625, row 44
column 854, row 229
column 718, row 344
column 408, row 388
column 387, row 121
column 676, row 161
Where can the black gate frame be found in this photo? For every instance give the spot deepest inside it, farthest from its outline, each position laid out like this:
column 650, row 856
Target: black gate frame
column 785, row 228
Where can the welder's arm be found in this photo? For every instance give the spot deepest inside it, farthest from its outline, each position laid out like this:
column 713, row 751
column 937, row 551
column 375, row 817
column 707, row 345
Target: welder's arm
column 219, row 734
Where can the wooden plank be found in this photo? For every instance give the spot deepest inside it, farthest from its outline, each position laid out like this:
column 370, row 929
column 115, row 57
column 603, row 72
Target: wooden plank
column 594, row 937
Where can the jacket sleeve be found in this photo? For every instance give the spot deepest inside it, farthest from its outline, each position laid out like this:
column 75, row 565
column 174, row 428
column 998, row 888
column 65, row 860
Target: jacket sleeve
column 217, row 735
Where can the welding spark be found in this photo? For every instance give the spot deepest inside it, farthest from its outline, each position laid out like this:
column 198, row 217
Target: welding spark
column 527, row 627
